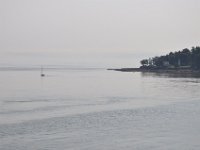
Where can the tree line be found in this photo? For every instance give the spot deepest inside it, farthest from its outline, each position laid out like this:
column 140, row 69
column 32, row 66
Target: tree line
column 185, row 58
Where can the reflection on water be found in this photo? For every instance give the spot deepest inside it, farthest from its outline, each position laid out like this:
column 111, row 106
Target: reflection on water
column 96, row 109
column 171, row 74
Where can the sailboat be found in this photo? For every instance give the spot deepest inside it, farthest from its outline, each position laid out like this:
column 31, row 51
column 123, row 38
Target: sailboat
column 42, row 74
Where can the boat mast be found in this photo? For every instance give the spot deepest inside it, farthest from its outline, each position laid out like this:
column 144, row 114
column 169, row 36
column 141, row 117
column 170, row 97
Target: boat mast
column 42, row 74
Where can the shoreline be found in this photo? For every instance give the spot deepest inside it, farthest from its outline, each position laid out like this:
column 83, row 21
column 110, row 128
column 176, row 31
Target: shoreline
column 156, row 70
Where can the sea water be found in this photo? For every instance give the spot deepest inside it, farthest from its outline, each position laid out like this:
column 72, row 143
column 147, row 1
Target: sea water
column 95, row 109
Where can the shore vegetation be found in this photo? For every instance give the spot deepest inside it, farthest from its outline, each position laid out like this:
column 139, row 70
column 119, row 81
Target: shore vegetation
column 184, row 59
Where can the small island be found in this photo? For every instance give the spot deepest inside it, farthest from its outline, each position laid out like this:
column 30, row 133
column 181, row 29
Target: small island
column 184, row 61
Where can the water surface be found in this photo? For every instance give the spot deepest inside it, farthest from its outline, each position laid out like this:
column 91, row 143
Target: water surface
column 92, row 108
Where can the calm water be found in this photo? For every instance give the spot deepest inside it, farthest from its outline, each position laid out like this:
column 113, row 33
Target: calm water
column 95, row 109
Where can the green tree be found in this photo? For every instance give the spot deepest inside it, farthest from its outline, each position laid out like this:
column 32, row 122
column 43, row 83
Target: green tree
column 184, row 57
column 144, row 62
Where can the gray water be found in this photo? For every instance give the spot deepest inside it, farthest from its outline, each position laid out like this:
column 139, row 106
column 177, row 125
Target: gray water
column 96, row 109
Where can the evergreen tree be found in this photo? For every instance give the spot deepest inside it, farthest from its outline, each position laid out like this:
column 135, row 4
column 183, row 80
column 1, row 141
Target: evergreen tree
column 184, row 57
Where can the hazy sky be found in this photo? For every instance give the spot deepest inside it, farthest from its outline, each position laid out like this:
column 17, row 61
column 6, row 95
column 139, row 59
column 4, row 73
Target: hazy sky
column 97, row 27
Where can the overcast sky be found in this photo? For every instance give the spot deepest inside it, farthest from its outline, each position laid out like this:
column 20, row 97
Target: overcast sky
column 137, row 27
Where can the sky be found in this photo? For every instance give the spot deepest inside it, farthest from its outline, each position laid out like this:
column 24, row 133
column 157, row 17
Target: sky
column 87, row 31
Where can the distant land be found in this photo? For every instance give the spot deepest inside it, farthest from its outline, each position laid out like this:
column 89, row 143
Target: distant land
column 183, row 61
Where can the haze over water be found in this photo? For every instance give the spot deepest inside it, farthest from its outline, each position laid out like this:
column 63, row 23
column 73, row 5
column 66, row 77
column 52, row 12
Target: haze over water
column 89, row 108
column 79, row 105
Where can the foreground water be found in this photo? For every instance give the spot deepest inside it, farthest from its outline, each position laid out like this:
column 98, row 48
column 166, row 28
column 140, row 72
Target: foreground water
column 95, row 109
